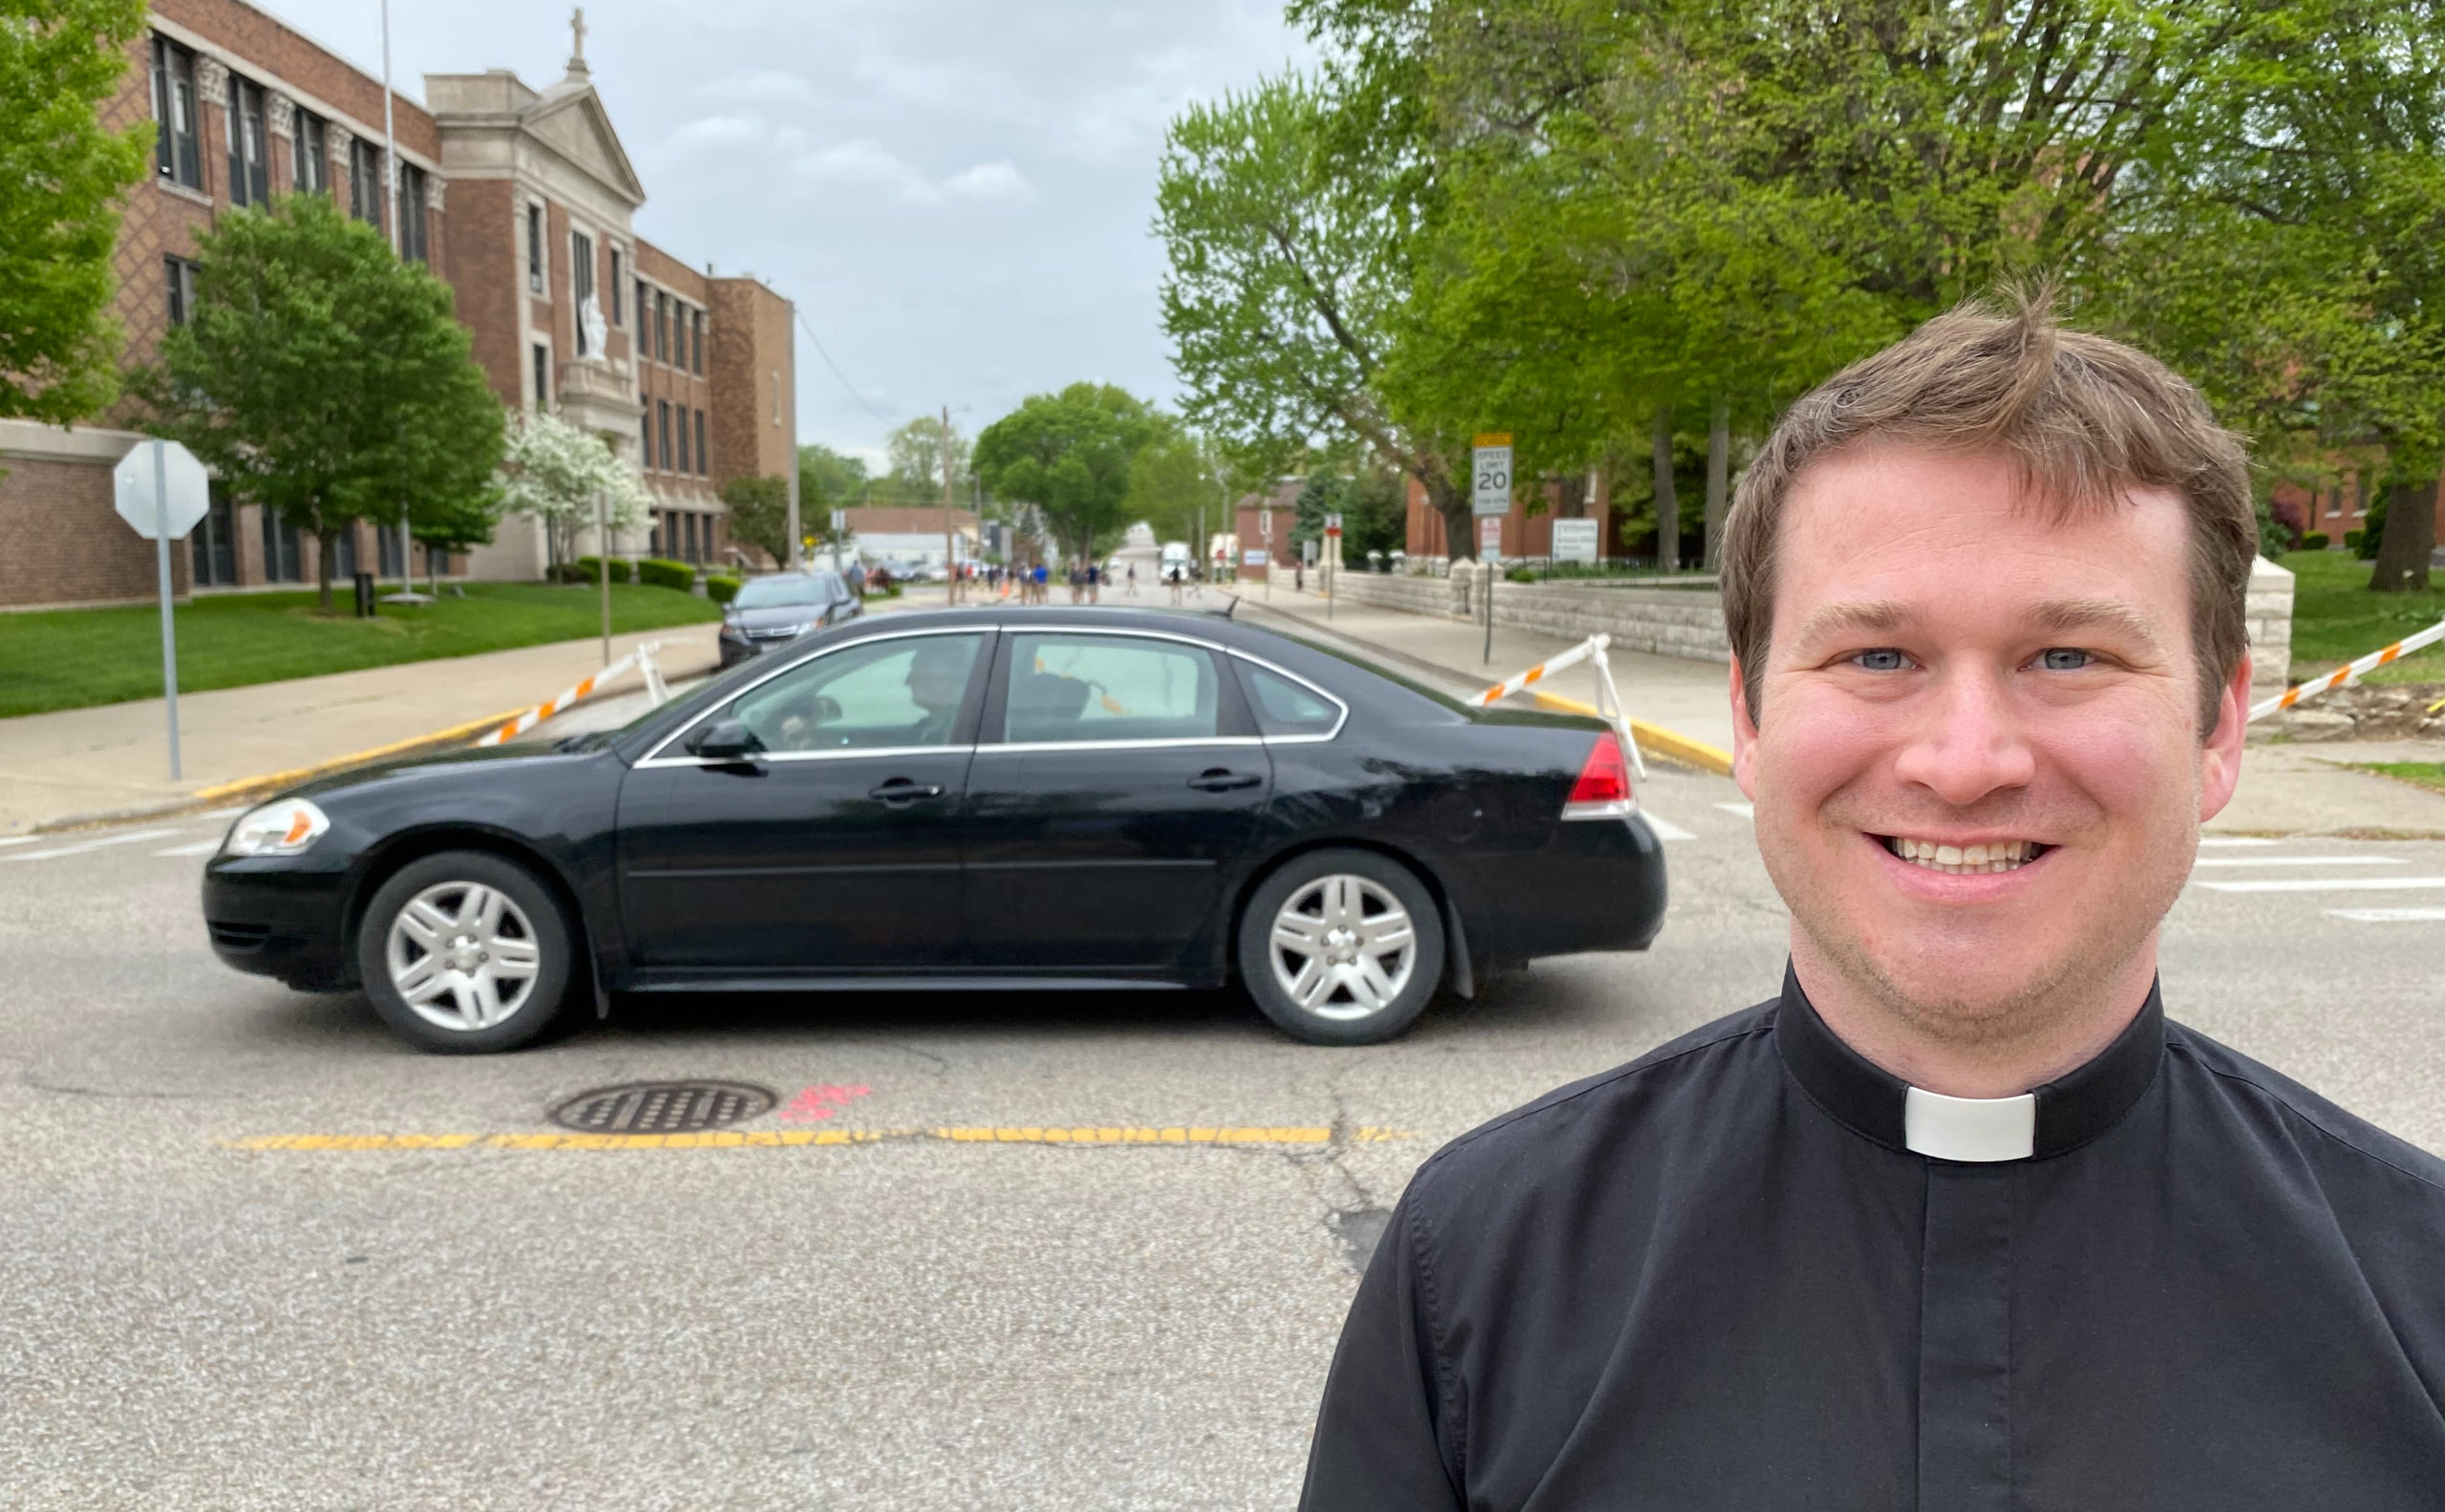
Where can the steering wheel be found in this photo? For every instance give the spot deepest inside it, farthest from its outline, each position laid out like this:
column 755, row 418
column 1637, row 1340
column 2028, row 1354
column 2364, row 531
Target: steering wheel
column 803, row 731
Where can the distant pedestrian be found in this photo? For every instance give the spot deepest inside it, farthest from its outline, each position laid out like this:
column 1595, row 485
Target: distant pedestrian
column 1132, row 580
column 1095, row 584
column 1043, row 574
column 1177, row 574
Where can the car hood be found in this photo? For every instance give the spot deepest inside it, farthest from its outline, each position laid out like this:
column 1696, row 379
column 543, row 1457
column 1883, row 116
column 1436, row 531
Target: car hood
column 781, row 617
column 441, row 766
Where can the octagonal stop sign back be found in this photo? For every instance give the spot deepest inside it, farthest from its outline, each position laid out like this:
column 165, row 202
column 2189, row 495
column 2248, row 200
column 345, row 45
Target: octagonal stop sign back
column 189, row 488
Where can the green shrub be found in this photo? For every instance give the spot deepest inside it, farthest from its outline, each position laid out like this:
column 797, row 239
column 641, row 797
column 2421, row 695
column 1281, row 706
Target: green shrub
column 1520, row 575
column 587, row 570
column 2352, row 540
column 663, row 574
column 721, row 590
column 2314, row 541
column 2374, row 535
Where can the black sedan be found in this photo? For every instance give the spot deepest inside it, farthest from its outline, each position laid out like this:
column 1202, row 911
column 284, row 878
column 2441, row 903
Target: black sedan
column 1041, row 799
column 774, row 611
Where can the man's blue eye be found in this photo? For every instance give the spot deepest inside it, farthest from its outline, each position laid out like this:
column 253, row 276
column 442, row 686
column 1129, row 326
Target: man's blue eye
column 2064, row 659
column 1881, row 661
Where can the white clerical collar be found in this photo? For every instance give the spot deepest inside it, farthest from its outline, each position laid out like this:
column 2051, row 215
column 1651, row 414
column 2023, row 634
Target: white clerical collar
column 1970, row 1128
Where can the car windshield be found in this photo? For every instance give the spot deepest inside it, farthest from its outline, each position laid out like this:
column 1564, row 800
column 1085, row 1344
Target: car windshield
column 794, row 592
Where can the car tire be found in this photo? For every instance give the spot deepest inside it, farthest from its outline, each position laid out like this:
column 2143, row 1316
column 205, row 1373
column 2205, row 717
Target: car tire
column 1340, row 947
column 467, row 954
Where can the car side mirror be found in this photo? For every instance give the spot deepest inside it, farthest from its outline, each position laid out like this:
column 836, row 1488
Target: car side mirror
column 727, row 740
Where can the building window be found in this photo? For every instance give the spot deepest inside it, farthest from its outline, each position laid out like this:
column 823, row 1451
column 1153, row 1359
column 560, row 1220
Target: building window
column 249, row 150
column 644, row 304
column 214, row 545
column 533, row 248
column 343, row 551
column 581, row 284
column 365, row 180
column 695, row 552
column 619, row 291
column 645, row 430
column 685, row 465
column 282, row 560
column 700, row 319
column 542, row 375
column 679, row 336
column 310, row 167
column 704, row 463
column 412, row 244
column 661, row 327
column 181, row 274
column 175, row 154
column 661, row 416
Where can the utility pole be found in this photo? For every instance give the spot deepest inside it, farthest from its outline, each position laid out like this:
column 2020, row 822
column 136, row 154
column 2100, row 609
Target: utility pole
column 390, row 218
column 798, row 536
column 951, row 543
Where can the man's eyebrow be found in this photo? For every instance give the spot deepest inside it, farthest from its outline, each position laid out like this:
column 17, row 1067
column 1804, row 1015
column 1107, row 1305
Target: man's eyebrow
column 2060, row 616
column 1865, row 616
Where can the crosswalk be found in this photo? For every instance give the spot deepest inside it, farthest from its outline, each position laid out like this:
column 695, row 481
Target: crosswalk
column 197, row 836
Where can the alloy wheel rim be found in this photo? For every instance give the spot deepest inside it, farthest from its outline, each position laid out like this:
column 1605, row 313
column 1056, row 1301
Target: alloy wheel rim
column 462, row 956
column 1343, row 947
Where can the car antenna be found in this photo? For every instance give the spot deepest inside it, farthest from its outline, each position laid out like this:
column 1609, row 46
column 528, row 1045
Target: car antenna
column 1230, row 602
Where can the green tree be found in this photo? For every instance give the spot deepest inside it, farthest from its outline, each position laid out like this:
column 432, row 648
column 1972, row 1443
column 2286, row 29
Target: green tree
column 324, row 378
column 1175, row 474
column 759, row 514
column 567, row 478
column 1069, row 454
column 915, row 455
column 829, row 480
column 61, row 177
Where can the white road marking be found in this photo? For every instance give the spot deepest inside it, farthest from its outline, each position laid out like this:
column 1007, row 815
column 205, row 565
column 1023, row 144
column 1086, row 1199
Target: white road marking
column 1744, row 810
column 23, row 840
column 200, row 848
column 2389, row 915
column 128, row 839
column 2236, row 840
column 2300, row 861
column 1664, row 828
column 221, row 812
column 2322, row 884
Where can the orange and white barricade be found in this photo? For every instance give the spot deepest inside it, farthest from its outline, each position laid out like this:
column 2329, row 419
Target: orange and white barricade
column 2349, row 675
column 641, row 658
column 1608, row 698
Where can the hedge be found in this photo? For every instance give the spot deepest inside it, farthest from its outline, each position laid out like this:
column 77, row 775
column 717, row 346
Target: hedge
column 666, row 574
column 585, row 571
column 721, row 590
column 2314, row 541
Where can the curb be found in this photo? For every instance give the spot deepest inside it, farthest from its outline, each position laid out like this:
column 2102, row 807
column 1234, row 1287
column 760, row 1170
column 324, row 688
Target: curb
column 1654, row 739
column 266, row 782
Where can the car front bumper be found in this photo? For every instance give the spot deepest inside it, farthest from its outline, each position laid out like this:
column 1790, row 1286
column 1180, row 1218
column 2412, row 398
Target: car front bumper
column 274, row 917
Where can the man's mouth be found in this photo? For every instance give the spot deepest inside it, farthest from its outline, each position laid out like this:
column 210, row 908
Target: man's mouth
column 1962, row 860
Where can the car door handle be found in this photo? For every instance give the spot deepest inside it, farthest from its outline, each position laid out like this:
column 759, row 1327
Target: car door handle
column 1219, row 780
column 901, row 790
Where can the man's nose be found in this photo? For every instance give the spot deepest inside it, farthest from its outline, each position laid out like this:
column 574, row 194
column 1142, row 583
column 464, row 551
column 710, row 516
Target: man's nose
column 1968, row 740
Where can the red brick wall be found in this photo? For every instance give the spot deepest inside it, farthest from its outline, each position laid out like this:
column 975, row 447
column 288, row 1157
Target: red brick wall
column 65, row 541
column 487, row 277
column 276, row 49
column 746, row 355
column 658, row 380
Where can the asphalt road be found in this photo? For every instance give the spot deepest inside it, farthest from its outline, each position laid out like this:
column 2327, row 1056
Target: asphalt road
column 199, row 1313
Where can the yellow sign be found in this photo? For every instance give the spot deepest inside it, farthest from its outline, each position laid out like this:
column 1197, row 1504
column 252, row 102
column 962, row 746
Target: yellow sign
column 1493, row 438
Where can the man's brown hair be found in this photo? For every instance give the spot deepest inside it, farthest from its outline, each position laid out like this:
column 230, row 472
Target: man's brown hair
column 2085, row 418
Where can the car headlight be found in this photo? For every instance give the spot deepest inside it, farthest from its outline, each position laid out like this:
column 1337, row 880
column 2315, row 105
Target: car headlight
column 281, row 827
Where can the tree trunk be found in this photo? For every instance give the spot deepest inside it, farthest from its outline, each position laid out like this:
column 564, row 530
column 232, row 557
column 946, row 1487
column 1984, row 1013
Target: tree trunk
column 1668, row 506
column 326, row 560
column 2410, row 536
column 1718, row 477
column 1570, row 500
column 1452, row 503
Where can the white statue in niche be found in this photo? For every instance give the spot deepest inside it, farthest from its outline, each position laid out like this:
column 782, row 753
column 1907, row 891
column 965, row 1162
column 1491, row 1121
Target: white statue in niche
column 598, row 331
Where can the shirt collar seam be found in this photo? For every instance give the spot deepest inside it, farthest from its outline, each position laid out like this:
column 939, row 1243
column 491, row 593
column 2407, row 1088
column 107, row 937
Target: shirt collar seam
column 2297, row 1113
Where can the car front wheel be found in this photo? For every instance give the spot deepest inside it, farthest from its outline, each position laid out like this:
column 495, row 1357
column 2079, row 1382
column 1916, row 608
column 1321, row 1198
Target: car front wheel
column 1340, row 947
column 465, row 952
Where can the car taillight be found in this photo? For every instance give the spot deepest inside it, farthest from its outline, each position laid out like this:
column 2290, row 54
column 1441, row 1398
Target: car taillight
column 1604, row 786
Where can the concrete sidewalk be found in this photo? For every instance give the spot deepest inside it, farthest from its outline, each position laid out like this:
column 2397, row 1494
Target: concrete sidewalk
column 114, row 759
column 2286, row 789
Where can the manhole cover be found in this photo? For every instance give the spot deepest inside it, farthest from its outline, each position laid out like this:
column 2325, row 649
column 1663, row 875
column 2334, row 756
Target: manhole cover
column 663, row 1107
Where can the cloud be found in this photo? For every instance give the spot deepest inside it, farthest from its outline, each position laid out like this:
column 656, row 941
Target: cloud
column 771, row 83
column 989, row 180
column 715, row 133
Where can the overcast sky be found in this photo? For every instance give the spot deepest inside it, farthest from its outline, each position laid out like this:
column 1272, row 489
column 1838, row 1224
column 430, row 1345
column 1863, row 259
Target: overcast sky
column 956, row 192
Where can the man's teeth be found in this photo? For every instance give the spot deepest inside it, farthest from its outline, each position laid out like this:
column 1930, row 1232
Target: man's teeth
column 1960, row 861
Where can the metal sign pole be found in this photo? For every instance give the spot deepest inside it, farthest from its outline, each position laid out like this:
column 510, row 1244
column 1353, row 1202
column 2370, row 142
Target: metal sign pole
column 603, row 567
column 162, row 563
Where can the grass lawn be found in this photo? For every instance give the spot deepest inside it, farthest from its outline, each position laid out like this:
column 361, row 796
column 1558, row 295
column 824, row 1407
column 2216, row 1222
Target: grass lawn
column 72, row 658
column 2425, row 774
column 2336, row 618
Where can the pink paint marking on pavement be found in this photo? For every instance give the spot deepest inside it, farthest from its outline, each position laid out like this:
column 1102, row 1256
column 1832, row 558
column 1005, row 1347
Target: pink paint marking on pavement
column 820, row 1103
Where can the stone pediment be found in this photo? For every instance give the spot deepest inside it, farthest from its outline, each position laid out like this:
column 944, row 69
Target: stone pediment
column 576, row 126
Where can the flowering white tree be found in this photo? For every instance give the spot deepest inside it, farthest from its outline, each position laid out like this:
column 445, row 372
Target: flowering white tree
column 553, row 470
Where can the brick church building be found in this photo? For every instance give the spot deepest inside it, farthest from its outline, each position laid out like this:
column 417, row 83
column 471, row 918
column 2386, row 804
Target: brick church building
column 521, row 199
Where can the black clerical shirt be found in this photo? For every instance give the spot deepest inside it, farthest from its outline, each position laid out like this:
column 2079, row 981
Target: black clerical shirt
column 1721, row 1277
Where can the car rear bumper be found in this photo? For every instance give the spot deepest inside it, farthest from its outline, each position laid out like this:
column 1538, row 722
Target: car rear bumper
column 1597, row 885
column 281, row 923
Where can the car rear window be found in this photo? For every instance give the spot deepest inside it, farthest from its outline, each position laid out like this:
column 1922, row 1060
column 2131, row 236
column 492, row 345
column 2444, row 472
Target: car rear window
column 1284, row 707
column 1104, row 688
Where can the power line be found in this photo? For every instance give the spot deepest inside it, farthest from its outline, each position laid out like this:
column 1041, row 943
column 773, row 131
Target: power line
column 881, row 419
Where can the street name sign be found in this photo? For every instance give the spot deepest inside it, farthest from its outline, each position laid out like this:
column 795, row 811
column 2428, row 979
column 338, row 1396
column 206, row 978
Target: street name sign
column 1574, row 540
column 163, row 491
column 1491, row 455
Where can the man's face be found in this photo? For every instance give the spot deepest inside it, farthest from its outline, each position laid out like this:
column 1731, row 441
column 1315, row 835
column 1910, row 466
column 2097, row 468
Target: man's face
column 1977, row 771
column 936, row 682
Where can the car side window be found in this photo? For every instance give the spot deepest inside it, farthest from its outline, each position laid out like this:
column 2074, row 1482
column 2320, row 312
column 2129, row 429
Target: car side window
column 1284, row 707
column 1100, row 688
column 905, row 691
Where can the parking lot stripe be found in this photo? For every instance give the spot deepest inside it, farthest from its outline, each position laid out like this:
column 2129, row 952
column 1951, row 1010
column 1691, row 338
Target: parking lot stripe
column 1744, row 810
column 1292, row 1134
column 2236, row 840
column 2301, row 860
column 2389, row 915
column 1664, row 828
column 201, row 847
column 2322, row 884
column 128, row 839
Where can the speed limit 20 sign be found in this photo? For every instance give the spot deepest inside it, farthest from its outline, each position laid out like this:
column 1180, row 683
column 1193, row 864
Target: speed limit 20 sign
column 1492, row 493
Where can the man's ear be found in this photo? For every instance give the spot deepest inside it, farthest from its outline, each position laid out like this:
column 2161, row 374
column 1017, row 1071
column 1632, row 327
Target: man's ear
column 1744, row 736
column 2219, row 755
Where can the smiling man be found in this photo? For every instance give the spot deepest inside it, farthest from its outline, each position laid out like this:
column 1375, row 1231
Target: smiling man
column 1959, row 1221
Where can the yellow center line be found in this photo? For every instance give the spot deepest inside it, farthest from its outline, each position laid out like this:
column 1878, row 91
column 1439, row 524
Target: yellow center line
column 1293, row 1136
